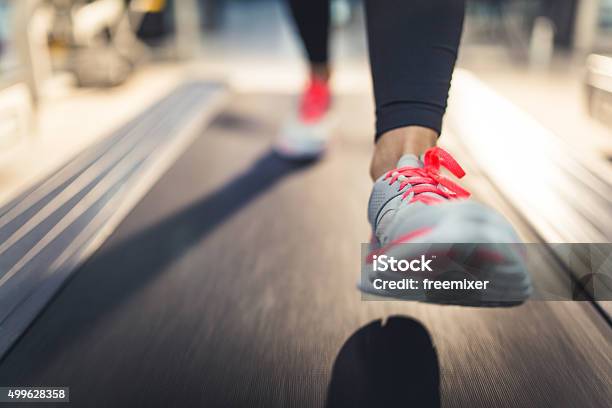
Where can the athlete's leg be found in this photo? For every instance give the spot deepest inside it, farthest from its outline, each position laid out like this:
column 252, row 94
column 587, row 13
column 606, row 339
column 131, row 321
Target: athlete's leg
column 305, row 135
column 413, row 48
column 312, row 19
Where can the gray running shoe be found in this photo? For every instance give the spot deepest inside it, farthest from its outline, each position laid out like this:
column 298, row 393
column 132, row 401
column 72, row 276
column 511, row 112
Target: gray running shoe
column 305, row 134
column 417, row 212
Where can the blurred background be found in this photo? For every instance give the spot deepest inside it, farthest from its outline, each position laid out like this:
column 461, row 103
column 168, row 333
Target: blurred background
column 135, row 150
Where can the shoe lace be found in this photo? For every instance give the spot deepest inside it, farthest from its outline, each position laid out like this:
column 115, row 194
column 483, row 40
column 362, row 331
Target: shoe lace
column 428, row 178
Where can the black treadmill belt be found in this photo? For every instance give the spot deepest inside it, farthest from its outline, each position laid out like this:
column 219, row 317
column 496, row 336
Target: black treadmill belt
column 233, row 284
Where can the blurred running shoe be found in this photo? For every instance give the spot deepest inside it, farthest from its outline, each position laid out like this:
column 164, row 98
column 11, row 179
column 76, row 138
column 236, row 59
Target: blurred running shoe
column 306, row 133
column 415, row 211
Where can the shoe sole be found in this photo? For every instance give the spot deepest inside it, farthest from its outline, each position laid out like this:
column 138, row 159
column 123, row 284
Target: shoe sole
column 298, row 141
column 494, row 241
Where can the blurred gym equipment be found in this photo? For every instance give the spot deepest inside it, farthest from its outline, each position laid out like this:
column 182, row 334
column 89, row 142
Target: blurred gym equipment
column 98, row 38
column 598, row 87
column 16, row 100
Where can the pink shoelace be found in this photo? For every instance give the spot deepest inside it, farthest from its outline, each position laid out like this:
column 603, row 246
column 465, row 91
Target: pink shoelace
column 315, row 101
column 428, row 178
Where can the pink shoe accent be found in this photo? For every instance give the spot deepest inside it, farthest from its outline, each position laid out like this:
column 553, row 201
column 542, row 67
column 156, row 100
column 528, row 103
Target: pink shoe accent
column 428, row 178
column 316, row 101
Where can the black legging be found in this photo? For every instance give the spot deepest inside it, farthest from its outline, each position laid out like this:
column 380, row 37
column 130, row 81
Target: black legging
column 413, row 48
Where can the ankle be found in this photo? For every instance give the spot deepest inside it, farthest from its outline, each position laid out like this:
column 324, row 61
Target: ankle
column 392, row 145
column 320, row 71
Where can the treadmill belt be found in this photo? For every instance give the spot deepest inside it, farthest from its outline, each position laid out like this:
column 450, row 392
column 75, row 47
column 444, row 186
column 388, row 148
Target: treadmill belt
column 233, row 283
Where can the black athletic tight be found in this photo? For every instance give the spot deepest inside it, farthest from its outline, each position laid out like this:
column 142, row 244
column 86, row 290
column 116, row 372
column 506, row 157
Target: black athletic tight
column 413, row 48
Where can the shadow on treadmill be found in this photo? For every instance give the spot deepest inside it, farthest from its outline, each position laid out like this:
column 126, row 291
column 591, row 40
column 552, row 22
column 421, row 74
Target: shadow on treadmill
column 120, row 269
column 386, row 365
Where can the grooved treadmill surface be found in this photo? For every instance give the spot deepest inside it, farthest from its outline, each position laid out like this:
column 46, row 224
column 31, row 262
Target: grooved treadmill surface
column 233, row 284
